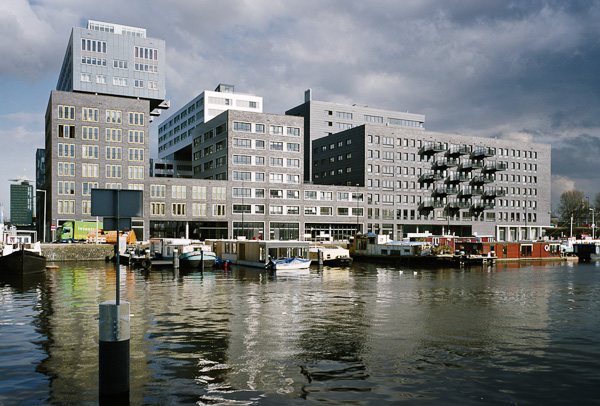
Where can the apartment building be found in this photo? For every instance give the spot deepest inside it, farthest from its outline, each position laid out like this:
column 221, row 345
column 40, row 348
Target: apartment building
column 174, row 134
column 422, row 181
column 322, row 119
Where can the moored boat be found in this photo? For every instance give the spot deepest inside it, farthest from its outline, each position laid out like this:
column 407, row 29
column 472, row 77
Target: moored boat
column 194, row 257
column 284, row 264
column 331, row 256
column 22, row 259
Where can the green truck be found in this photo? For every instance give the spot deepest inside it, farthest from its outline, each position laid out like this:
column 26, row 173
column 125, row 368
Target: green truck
column 72, row 231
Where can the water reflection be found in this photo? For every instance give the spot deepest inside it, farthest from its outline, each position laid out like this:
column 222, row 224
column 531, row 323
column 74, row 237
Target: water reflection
column 364, row 334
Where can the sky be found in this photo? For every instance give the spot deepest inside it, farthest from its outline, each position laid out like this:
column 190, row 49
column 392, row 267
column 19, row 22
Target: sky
column 526, row 70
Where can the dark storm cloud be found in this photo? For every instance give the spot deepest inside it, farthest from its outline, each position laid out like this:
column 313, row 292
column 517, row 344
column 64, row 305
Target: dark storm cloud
column 523, row 70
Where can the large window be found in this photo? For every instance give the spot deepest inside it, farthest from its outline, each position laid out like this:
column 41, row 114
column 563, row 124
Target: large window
column 157, row 191
column 89, row 114
column 66, row 112
column 237, row 126
column 136, row 118
column 66, row 131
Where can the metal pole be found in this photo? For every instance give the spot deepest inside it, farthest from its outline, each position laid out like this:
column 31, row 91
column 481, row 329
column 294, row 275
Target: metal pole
column 118, row 254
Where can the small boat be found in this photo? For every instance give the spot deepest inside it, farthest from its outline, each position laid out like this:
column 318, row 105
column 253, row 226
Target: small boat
column 288, row 264
column 335, row 256
column 196, row 256
column 22, row 259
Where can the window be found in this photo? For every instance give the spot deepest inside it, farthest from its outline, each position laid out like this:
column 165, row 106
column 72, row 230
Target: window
column 93, row 45
column 242, row 143
column 113, row 153
column 275, row 209
column 199, row 209
column 89, row 170
column 66, row 131
column 178, row 209
column 242, row 192
column 113, row 186
column 259, row 144
column 275, row 161
column 153, row 85
column 325, row 211
column 219, row 193
column 66, row 188
column 89, row 151
column 136, row 172
column 243, row 176
column 66, row 112
column 293, row 210
column 276, row 146
column 157, row 209
column 66, row 150
column 139, row 83
column 293, row 163
column 136, row 136
column 113, row 171
column 276, row 194
column 344, row 126
column 293, row 147
column 136, row 118
column 119, row 81
column 237, row 126
column 373, row 119
column 259, row 160
column 113, row 135
column 310, row 210
column 242, row 159
column 136, row 154
column 219, row 210
column 66, row 169
column 276, row 130
column 119, row 64
column 293, row 178
column 293, row 131
column 66, row 206
column 341, row 114
column 157, row 191
column 86, row 188
column 276, row 177
column 260, row 128
column 86, row 77
column 178, row 192
column 113, row 116
column 89, row 133
column 292, row 194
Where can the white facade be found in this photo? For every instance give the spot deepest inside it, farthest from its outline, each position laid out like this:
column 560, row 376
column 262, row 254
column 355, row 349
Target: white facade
column 174, row 140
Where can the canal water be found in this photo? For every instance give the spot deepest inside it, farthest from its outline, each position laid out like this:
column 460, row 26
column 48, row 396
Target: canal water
column 364, row 335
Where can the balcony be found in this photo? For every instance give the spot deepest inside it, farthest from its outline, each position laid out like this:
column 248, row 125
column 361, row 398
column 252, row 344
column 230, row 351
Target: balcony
column 443, row 164
column 457, row 204
column 454, row 151
column 465, row 165
column 465, row 192
column 493, row 192
column 455, row 178
column 431, row 148
column 482, row 152
column 491, row 167
column 428, row 177
column 477, row 207
column 443, row 191
column 478, row 180
column 429, row 204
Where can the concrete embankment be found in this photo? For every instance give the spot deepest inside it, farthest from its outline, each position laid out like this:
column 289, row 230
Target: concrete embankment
column 78, row 252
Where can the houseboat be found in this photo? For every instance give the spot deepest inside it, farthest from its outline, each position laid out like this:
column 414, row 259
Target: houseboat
column 376, row 246
column 330, row 256
column 259, row 253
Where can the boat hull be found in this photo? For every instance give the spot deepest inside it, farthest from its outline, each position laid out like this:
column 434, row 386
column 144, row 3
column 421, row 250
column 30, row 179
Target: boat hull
column 340, row 261
column 22, row 262
column 196, row 260
column 289, row 264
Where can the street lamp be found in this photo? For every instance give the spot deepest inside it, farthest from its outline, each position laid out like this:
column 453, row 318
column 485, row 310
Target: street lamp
column 593, row 224
column 44, row 228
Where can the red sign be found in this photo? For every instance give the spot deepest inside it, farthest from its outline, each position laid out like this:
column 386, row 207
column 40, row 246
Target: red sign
column 53, row 227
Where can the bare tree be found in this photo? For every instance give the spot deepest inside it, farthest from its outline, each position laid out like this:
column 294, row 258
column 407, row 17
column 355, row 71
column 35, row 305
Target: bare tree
column 573, row 204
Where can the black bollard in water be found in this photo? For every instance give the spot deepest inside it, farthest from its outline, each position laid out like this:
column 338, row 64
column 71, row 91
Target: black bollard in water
column 114, row 351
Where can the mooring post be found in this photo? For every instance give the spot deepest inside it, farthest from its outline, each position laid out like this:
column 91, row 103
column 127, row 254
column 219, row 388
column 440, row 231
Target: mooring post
column 320, row 256
column 176, row 258
column 202, row 260
column 114, row 350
